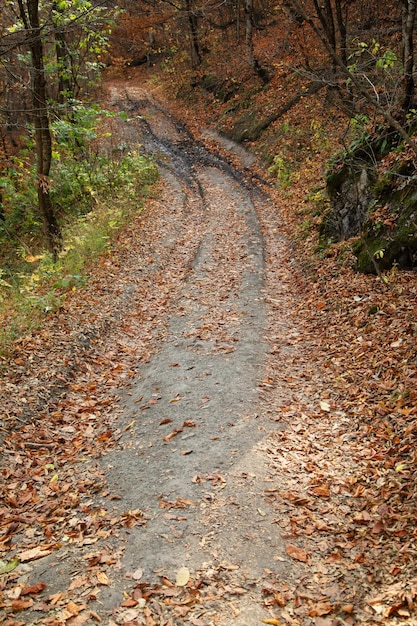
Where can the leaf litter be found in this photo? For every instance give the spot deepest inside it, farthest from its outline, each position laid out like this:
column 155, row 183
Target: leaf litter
column 340, row 384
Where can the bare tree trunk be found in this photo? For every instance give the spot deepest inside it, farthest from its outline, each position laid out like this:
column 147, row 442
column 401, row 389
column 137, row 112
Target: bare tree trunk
column 249, row 32
column 341, row 25
column 195, row 43
column 253, row 61
column 64, row 68
column 325, row 14
column 43, row 139
column 408, row 20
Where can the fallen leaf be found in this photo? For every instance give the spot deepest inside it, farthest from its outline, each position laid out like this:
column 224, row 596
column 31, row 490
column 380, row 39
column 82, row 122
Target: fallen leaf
column 128, row 616
column 33, row 589
column 183, row 576
column 322, row 490
column 102, row 578
column 320, row 608
column 34, row 553
column 8, row 566
column 296, row 553
column 137, row 574
column 273, row 621
column 130, row 602
column 55, row 598
column 78, row 582
column 21, row 605
column 73, row 608
column 396, row 344
column 173, row 434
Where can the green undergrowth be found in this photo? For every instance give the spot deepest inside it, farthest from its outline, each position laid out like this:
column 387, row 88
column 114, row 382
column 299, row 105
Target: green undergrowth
column 36, row 287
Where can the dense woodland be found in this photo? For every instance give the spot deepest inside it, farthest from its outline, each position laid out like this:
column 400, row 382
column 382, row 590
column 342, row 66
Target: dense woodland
column 256, row 60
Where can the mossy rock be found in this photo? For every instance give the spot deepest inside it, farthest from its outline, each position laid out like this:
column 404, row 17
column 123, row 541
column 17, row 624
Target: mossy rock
column 384, row 247
column 357, row 187
column 246, row 127
column 222, row 89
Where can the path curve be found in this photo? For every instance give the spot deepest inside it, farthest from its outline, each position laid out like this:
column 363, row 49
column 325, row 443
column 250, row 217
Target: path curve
column 184, row 489
column 204, row 380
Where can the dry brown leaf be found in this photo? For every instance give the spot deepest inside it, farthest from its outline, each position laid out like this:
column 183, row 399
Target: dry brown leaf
column 322, row 490
column 183, row 576
column 33, row 589
column 102, row 578
column 320, row 608
column 35, row 553
column 21, row 605
column 73, row 608
column 130, row 602
column 296, row 553
column 78, row 582
column 173, row 434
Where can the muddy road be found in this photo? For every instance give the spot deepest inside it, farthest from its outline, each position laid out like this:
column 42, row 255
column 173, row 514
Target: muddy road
column 191, row 306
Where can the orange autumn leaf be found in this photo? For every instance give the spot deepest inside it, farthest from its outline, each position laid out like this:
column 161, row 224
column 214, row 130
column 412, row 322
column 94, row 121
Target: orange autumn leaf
column 129, row 603
column 320, row 608
column 33, row 589
column 322, row 490
column 73, row 608
column 296, row 553
column 102, row 578
column 173, row 434
column 21, row 605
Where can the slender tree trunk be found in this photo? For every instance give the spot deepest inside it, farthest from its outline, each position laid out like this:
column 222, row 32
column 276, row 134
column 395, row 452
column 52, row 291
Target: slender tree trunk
column 64, row 68
column 408, row 20
column 43, row 139
column 253, row 61
column 249, row 32
column 325, row 14
column 195, row 42
column 341, row 25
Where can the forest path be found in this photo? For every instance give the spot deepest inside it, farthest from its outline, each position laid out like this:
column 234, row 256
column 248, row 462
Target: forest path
column 189, row 458
column 193, row 438
column 167, row 478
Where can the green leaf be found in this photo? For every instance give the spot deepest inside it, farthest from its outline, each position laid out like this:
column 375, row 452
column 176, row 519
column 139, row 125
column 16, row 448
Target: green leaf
column 6, row 567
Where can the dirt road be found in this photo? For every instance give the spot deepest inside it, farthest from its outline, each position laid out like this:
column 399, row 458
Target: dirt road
column 181, row 496
column 186, row 440
column 189, row 457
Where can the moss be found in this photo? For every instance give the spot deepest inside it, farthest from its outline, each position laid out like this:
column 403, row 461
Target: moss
column 223, row 89
column 383, row 211
column 390, row 247
column 246, row 127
